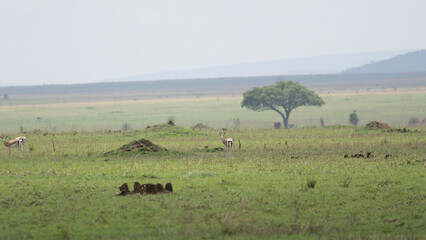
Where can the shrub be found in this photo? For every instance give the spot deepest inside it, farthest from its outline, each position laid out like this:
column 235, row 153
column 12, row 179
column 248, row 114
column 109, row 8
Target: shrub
column 125, row 127
column 413, row 121
column 353, row 118
column 322, row 122
column 236, row 123
column 277, row 125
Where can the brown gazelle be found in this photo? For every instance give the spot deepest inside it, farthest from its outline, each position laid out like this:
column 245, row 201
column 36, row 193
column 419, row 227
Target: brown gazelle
column 17, row 142
column 228, row 142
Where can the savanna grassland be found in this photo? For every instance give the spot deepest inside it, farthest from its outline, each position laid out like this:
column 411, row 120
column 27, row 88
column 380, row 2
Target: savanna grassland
column 284, row 184
column 218, row 112
column 281, row 184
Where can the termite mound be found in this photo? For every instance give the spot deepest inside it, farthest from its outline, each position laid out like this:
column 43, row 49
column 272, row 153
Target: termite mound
column 141, row 146
column 377, row 125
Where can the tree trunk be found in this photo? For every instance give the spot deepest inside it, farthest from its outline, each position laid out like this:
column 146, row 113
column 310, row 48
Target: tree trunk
column 285, row 118
column 285, row 122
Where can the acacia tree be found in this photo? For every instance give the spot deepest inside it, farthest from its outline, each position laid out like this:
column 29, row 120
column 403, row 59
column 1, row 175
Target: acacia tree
column 282, row 97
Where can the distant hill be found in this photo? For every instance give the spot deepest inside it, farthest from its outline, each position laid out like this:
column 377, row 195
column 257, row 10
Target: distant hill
column 207, row 87
column 229, row 85
column 410, row 62
column 327, row 64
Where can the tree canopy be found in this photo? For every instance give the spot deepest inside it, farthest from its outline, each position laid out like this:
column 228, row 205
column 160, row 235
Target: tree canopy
column 282, row 97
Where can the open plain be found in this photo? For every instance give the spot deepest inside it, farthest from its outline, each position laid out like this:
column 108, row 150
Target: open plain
column 21, row 114
column 294, row 183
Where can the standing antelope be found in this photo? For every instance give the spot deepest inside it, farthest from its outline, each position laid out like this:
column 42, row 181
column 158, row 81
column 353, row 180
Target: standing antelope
column 17, row 142
column 23, row 139
column 227, row 142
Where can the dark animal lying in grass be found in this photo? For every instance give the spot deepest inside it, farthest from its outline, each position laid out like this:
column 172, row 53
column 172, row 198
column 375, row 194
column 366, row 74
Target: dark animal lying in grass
column 148, row 188
column 169, row 187
column 124, row 190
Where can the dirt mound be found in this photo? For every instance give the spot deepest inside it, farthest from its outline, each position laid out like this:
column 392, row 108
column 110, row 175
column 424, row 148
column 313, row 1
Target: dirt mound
column 200, row 126
column 162, row 126
column 139, row 146
column 168, row 129
column 377, row 125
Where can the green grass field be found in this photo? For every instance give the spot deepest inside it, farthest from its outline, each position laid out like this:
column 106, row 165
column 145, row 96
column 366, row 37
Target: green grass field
column 395, row 109
column 281, row 184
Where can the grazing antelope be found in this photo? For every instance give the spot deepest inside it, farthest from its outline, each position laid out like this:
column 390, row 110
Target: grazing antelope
column 17, row 142
column 227, row 142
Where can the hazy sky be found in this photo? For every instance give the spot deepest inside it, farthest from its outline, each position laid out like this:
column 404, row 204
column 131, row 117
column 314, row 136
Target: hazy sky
column 76, row 41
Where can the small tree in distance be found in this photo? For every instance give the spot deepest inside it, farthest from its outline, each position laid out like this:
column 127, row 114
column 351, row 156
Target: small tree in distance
column 282, row 97
column 353, row 118
column 413, row 121
column 322, row 122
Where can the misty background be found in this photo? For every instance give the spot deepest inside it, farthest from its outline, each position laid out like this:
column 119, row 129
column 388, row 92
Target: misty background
column 66, row 42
